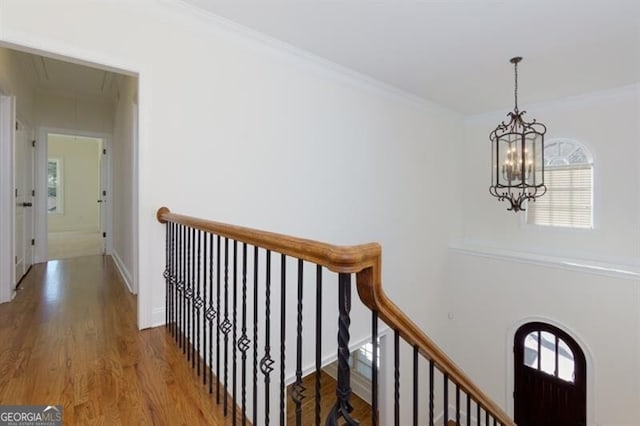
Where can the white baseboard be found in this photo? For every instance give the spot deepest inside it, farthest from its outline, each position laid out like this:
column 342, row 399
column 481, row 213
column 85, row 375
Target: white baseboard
column 158, row 317
column 124, row 272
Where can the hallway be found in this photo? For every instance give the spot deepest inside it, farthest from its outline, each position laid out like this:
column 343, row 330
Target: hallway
column 70, row 338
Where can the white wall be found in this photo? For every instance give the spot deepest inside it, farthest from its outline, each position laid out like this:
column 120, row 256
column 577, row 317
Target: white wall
column 13, row 82
column 123, row 191
column 503, row 272
column 80, row 177
column 72, row 112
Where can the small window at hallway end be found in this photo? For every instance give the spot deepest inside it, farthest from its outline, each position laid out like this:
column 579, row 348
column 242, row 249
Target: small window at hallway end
column 568, row 175
column 54, row 186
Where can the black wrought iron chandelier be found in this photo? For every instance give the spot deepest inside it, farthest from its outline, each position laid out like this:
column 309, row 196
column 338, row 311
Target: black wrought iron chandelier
column 517, row 157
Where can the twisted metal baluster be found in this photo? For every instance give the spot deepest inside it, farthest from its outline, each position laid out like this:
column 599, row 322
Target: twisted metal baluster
column 283, row 293
column 255, row 335
column 198, row 300
column 318, row 342
column 218, row 319
column 226, row 324
column 211, row 313
column 235, row 328
column 297, row 390
column 266, row 363
column 244, row 342
column 343, row 407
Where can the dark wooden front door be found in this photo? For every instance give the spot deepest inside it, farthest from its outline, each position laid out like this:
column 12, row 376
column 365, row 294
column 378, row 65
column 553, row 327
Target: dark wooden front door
column 550, row 377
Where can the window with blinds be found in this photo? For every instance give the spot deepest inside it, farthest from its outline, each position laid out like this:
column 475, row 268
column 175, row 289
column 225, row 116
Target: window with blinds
column 568, row 175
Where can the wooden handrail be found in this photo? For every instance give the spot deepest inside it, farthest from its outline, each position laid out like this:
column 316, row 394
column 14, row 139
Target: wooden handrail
column 347, row 259
column 365, row 260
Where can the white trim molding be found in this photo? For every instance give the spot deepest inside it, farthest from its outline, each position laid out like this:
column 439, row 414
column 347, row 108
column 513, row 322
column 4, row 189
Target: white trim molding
column 624, row 270
column 124, row 272
column 7, row 203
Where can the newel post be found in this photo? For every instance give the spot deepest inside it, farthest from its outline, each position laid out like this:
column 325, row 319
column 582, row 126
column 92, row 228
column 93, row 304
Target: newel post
column 343, row 407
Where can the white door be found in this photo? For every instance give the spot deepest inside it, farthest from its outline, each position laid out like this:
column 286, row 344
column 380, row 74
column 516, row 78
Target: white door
column 24, row 218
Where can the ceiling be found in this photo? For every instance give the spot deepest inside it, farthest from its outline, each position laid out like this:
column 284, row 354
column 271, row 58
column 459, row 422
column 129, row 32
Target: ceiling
column 456, row 52
column 54, row 76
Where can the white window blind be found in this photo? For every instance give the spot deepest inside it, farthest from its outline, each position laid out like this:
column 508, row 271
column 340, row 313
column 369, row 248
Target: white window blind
column 569, row 198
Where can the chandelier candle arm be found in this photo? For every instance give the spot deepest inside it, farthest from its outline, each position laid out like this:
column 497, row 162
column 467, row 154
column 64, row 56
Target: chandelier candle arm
column 517, row 156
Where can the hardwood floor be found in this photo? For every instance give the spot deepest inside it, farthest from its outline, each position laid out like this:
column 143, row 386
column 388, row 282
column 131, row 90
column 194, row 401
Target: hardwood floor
column 63, row 245
column 361, row 410
column 70, row 338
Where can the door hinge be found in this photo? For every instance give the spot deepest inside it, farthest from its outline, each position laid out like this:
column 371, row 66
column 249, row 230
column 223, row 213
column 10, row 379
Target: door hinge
column 33, row 192
column 33, row 143
column 104, row 235
column 16, row 192
column 104, row 152
column 33, row 242
column 17, row 125
column 104, row 193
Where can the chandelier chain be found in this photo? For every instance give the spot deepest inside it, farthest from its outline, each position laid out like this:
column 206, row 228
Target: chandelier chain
column 515, row 91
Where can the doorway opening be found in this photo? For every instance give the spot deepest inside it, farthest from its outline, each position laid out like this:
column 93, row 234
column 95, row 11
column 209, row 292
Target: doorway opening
column 550, row 377
column 56, row 95
column 76, row 206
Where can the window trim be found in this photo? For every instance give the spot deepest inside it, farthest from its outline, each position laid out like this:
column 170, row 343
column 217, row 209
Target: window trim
column 59, row 186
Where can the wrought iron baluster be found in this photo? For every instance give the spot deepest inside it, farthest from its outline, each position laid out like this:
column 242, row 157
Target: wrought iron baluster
column 218, row 257
column 198, row 301
column 185, row 316
column 183, row 282
column 211, row 314
column 457, row 404
column 205, row 281
column 297, row 392
column 343, row 407
column 266, row 363
column 374, row 369
column 168, row 270
column 226, row 324
column 192, row 337
column 255, row 335
column 445, row 396
column 243, row 343
column 478, row 417
column 468, row 409
column 174, row 278
column 486, row 414
column 318, row 342
column 396, row 376
column 415, row 385
column 431, row 387
column 283, row 319
column 234, row 337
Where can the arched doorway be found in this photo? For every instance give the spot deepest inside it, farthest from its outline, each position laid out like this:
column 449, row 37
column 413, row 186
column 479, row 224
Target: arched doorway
column 550, row 377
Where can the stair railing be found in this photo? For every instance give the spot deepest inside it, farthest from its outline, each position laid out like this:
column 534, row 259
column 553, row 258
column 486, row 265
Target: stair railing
column 208, row 263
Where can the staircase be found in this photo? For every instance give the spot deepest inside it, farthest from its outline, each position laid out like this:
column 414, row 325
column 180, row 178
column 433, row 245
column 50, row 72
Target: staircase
column 255, row 311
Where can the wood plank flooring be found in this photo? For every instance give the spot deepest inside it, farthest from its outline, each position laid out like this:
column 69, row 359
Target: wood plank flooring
column 70, row 338
column 361, row 410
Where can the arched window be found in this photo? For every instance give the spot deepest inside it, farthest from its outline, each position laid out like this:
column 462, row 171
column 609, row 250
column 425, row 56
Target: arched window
column 568, row 175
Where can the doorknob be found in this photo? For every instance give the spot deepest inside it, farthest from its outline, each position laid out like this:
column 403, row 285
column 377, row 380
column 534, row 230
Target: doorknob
column 99, row 201
column 27, row 204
